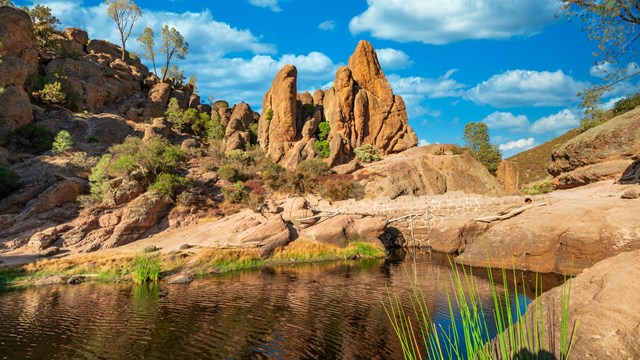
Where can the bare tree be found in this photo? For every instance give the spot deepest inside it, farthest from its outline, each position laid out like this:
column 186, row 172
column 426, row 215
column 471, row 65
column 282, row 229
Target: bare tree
column 124, row 13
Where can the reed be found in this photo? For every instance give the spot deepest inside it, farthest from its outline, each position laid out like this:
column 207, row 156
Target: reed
column 147, row 269
column 518, row 335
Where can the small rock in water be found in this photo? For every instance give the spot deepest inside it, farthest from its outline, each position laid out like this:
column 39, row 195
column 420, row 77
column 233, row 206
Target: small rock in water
column 1, row 261
column 183, row 278
column 75, row 280
column 185, row 247
column 632, row 193
column 50, row 280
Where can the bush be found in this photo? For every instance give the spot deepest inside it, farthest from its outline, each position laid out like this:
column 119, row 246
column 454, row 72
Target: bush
column 626, row 104
column 323, row 131
column 168, row 184
column 235, row 194
column 238, row 158
column 253, row 133
column 216, row 131
column 92, row 139
column 201, row 125
column 539, row 188
column 269, row 114
column 52, row 94
column 99, row 176
column 322, row 149
column 314, row 167
column 340, row 187
column 367, row 153
column 594, row 118
column 40, row 139
column 273, row 175
column 174, row 115
column 8, row 182
column 62, row 143
column 229, row 173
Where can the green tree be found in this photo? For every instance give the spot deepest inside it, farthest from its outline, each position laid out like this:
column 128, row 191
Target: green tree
column 124, row 13
column 62, row 143
column 173, row 45
column 147, row 43
column 174, row 114
column 6, row 3
column 476, row 135
column 174, row 73
column 45, row 25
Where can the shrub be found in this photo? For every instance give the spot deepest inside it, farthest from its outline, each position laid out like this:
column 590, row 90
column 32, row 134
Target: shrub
column 168, row 184
column 62, row 143
column 273, row 175
column 201, row 125
column 229, row 173
column 626, row 104
column 92, row 140
column 52, row 93
column 147, row 269
column 239, row 158
column 367, row 153
column 190, row 117
column 174, row 115
column 98, row 177
column 253, row 133
column 539, row 188
column 323, row 131
column 40, row 139
column 314, row 167
column 235, row 194
column 269, row 114
column 594, row 118
column 8, row 182
column 322, row 149
column 340, row 187
column 216, row 131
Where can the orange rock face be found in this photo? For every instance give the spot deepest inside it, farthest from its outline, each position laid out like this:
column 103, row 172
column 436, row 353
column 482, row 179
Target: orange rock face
column 360, row 108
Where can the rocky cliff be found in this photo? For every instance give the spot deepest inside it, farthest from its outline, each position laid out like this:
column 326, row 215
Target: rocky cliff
column 360, row 108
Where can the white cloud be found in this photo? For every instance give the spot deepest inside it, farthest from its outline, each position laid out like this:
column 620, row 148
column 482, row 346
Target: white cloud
column 499, row 120
column 327, row 25
column 562, row 121
column 609, row 104
column 392, row 59
column 271, row 4
column 445, row 21
column 603, row 69
column 526, row 88
column 414, row 90
column 423, row 142
column 521, row 144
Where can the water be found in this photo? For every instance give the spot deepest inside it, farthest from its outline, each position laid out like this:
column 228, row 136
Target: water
column 313, row 311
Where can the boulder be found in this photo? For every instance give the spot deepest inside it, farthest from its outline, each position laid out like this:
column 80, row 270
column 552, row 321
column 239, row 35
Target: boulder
column 181, row 278
column 237, row 132
column 603, row 302
column 508, row 176
column 75, row 280
column 41, row 240
column 78, row 35
column 15, row 110
column 609, row 170
column 632, row 193
column 50, row 280
column 139, row 216
column 158, row 100
column 341, row 229
column 18, row 40
column 268, row 236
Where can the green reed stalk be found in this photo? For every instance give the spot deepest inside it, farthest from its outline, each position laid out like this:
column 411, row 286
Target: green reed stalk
column 147, row 269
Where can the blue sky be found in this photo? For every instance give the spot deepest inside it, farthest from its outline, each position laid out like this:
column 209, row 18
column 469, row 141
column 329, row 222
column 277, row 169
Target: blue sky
column 513, row 64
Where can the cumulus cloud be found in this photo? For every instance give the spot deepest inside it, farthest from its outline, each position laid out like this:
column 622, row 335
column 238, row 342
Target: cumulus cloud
column 498, row 120
column 392, row 59
column 559, row 122
column 271, row 4
column 423, row 142
column 519, row 145
column 327, row 25
column 219, row 74
column 414, row 90
column 446, row 21
column 526, row 88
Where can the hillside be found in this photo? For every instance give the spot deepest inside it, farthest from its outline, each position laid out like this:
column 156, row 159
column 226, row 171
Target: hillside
column 534, row 162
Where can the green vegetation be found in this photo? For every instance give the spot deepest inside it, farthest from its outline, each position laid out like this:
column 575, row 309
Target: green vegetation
column 235, row 194
column 321, row 146
column 229, row 173
column 189, row 120
column 147, row 269
column 172, row 45
column 173, row 72
column 367, row 153
column 93, row 139
column 147, row 43
column 216, row 130
column 124, row 13
column 539, row 188
column 168, row 184
column 470, row 339
column 268, row 114
column 45, row 26
column 55, row 89
column 476, row 135
column 62, row 143
column 239, row 158
column 52, row 93
column 8, row 182
column 627, row 104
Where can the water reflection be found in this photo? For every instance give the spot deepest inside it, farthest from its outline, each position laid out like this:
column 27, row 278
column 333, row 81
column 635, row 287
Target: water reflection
column 314, row 311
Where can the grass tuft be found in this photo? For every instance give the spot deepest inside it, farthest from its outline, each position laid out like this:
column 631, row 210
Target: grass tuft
column 147, row 269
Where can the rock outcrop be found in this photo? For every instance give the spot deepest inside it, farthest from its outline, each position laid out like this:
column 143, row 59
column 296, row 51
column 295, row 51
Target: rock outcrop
column 18, row 61
column 508, row 176
column 600, row 153
column 238, row 126
column 360, row 109
column 603, row 302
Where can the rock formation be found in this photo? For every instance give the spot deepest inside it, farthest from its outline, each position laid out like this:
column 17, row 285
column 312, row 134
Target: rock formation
column 508, row 176
column 18, row 61
column 602, row 152
column 237, row 122
column 360, row 108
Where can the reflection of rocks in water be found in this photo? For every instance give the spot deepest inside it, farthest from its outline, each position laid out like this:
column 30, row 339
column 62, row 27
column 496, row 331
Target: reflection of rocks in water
column 321, row 310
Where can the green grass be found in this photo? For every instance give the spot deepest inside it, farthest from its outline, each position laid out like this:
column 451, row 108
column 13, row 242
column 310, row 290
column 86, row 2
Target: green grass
column 147, row 269
column 470, row 338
